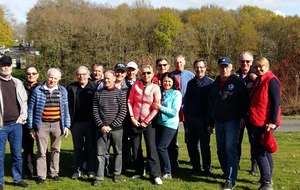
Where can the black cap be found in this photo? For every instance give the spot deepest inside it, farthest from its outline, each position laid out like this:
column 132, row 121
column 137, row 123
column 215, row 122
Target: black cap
column 120, row 66
column 5, row 59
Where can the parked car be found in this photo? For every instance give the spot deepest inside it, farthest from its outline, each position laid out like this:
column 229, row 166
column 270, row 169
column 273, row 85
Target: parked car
column 4, row 50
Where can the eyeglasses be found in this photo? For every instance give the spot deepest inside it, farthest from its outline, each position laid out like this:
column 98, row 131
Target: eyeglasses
column 160, row 65
column 31, row 74
column 81, row 74
column 148, row 73
column 246, row 61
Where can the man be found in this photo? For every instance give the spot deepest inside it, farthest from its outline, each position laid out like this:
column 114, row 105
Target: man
column 227, row 106
column 31, row 81
column 131, row 77
column 13, row 113
column 80, row 97
column 184, row 76
column 97, row 74
column 109, row 111
column 247, row 73
column 48, row 115
column 195, row 111
column 162, row 66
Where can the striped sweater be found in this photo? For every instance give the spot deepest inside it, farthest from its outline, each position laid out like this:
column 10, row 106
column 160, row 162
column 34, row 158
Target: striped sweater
column 109, row 108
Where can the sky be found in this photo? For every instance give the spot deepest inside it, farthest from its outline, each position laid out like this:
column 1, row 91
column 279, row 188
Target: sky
column 19, row 8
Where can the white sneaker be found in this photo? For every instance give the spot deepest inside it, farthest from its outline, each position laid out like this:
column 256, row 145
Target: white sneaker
column 136, row 176
column 158, row 181
column 166, row 176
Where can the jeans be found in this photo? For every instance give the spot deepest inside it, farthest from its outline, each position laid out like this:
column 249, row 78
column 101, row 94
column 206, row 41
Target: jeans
column 264, row 159
column 115, row 138
column 226, row 137
column 12, row 132
column 164, row 138
column 197, row 132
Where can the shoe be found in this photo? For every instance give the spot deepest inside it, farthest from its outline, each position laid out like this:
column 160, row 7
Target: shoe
column 136, row 176
column 96, row 182
column 228, row 186
column 117, row 178
column 207, row 172
column 22, row 184
column 266, row 186
column 40, row 180
column 166, row 176
column 76, row 175
column 253, row 170
column 56, row 178
column 158, row 181
column 91, row 174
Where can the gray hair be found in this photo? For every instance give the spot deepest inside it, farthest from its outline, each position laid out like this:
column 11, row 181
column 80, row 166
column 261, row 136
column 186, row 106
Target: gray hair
column 83, row 67
column 55, row 70
column 245, row 52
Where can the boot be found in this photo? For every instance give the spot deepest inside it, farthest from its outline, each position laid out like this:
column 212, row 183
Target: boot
column 253, row 168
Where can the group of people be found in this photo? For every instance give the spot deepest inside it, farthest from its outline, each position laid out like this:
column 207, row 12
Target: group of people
column 113, row 109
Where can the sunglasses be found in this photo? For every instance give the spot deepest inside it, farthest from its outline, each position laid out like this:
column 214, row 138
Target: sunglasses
column 31, row 74
column 160, row 65
column 148, row 73
column 246, row 61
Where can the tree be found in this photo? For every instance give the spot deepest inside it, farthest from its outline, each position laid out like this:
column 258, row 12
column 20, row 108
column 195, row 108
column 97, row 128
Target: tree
column 6, row 33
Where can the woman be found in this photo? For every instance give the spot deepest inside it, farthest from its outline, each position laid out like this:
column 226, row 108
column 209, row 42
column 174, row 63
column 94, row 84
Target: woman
column 142, row 95
column 167, row 120
column 264, row 115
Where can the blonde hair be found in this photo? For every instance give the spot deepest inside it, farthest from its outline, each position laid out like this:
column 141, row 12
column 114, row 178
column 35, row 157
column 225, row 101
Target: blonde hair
column 261, row 61
column 147, row 67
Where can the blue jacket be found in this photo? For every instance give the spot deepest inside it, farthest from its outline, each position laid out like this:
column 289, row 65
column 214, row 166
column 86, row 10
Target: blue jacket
column 37, row 103
column 168, row 115
column 196, row 96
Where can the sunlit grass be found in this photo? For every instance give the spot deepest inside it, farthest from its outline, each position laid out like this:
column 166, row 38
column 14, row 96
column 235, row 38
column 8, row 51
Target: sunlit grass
column 286, row 172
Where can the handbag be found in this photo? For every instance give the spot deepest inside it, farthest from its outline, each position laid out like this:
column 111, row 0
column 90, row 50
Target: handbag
column 268, row 141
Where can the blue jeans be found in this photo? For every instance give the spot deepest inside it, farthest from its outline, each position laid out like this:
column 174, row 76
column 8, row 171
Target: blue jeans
column 227, row 137
column 12, row 132
column 164, row 138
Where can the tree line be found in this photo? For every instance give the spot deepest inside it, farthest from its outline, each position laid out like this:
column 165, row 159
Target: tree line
column 70, row 33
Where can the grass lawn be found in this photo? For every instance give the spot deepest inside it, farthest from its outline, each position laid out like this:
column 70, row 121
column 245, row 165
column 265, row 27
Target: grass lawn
column 286, row 170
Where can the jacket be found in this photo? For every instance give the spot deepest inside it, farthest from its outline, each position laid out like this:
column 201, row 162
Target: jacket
column 37, row 103
column 262, row 107
column 228, row 102
column 22, row 100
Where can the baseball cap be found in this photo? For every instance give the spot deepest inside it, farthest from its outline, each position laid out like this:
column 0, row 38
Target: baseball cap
column 120, row 66
column 6, row 59
column 132, row 65
column 224, row 61
column 268, row 141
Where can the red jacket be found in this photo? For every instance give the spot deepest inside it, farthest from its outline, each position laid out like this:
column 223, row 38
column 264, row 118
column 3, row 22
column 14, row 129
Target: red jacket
column 259, row 113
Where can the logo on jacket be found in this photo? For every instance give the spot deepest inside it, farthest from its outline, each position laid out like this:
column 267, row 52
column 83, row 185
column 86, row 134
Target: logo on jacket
column 230, row 87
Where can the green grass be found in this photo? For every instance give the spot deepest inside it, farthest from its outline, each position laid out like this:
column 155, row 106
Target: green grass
column 286, row 170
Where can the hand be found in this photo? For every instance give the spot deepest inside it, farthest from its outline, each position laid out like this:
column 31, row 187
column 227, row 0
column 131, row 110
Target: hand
column 66, row 132
column 252, row 76
column 242, row 123
column 210, row 129
column 105, row 129
column 135, row 122
column 20, row 120
column 270, row 126
column 32, row 133
column 143, row 124
column 156, row 106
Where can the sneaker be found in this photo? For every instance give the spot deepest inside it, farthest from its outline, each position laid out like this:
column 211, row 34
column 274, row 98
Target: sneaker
column 76, row 175
column 91, row 174
column 158, row 181
column 136, row 176
column 96, row 182
column 117, row 178
column 228, row 186
column 166, row 176
column 266, row 186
